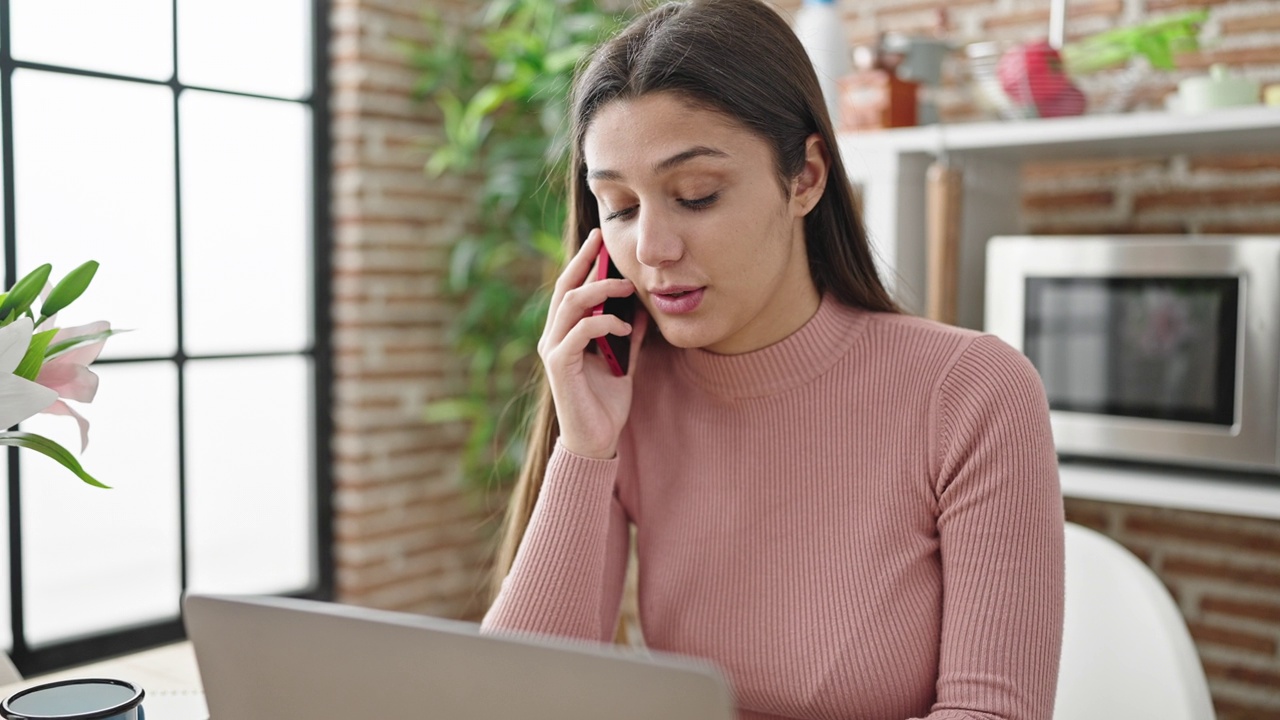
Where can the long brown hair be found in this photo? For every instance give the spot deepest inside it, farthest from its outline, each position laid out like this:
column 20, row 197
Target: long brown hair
column 739, row 58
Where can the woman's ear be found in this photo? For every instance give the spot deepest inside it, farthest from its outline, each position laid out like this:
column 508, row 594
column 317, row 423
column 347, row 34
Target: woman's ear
column 808, row 186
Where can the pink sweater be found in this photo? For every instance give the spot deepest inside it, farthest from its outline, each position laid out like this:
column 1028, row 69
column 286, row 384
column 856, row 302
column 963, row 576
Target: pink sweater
column 860, row 521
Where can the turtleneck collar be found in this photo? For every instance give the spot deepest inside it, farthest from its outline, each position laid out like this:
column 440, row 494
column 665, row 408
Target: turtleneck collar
column 791, row 362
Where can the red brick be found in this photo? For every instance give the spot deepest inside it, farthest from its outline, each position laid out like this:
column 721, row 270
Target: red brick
column 1250, row 642
column 1250, row 24
column 1206, row 198
column 885, row 11
column 1089, row 514
column 376, row 220
column 1232, row 573
column 1092, row 168
column 1232, row 163
column 1234, row 710
column 1244, row 534
column 1109, row 8
column 1202, row 59
column 1258, row 227
column 1059, row 227
column 1068, row 200
column 1262, row 678
column 1160, row 5
column 1253, row 610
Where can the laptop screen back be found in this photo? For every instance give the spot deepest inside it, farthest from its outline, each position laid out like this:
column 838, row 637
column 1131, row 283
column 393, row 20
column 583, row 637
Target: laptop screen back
column 267, row 657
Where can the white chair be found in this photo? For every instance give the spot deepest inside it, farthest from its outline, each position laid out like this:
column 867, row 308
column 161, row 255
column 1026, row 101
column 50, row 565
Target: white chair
column 1126, row 652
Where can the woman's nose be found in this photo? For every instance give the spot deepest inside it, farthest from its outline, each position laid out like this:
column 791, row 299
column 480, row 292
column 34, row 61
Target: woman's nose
column 657, row 242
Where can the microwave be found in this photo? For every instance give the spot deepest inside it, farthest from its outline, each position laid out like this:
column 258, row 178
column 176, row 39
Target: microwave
column 1159, row 349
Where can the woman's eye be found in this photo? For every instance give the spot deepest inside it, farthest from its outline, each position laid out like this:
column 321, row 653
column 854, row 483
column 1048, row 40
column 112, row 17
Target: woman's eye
column 701, row 203
column 620, row 214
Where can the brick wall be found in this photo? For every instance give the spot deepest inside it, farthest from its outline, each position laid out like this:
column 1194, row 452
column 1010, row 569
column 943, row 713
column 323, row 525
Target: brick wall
column 409, row 538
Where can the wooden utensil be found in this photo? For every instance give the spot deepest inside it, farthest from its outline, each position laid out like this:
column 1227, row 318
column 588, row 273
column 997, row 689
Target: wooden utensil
column 944, row 186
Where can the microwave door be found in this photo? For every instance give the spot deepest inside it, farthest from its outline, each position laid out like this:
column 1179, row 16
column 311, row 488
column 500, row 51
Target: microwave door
column 1163, row 350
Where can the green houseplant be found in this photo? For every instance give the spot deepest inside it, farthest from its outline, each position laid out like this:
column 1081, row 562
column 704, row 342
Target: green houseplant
column 501, row 79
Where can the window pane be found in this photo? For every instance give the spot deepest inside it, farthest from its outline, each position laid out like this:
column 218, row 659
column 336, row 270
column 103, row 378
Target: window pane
column 245, row 200
column 3, row 162
column 94, row 176
column 96, row 560
column 272, row 42
column 123, row 37
column 250, row 494
column 6, row 629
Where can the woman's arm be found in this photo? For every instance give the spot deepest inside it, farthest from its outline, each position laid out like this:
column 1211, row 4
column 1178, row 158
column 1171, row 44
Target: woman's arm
column 568, row 575
column 1000, row 527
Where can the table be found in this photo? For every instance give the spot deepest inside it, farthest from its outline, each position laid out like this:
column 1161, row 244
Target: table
column 168, row 674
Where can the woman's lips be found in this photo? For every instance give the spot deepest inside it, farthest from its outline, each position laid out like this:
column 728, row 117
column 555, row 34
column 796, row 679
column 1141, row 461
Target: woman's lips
column 677, row 301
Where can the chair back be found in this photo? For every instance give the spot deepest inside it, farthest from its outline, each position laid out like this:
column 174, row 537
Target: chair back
column 1126, row 651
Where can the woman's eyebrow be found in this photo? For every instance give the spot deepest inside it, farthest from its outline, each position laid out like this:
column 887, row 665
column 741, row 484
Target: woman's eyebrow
column 687, row 155
column 665, row 165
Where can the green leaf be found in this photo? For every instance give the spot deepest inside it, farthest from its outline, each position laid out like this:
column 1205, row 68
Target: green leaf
column 45, row 446
column 33, row 360
column 452, row 410
column 565, row 59
column 25, row 291
column 486, row 101
column 68, row 289
column 70, row 344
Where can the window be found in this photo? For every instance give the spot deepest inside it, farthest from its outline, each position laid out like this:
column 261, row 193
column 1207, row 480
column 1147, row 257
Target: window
column 184, row 145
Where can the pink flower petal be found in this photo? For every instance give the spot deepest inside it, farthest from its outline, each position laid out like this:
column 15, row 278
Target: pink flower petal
column 69, row 380
column 61, row 408
column 86, row 354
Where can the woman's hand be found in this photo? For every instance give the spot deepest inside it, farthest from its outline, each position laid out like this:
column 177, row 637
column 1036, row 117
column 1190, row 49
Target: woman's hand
column 592, row 403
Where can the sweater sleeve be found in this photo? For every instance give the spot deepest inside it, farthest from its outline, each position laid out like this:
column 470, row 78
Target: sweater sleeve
column 568, row 573
column 1000, row 529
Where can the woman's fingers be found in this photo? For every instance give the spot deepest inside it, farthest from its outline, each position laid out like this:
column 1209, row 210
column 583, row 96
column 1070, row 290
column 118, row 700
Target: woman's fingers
column 579, row 302
column 575, row 343
column 576, row 271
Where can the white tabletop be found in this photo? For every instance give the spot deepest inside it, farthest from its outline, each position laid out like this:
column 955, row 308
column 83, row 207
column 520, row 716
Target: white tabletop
column 167, row 674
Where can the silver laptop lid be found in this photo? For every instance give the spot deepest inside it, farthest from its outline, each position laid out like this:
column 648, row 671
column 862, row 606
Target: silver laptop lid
column 268, row 657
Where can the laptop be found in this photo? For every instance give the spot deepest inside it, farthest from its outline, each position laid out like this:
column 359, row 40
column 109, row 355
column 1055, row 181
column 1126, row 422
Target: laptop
column 277, row 658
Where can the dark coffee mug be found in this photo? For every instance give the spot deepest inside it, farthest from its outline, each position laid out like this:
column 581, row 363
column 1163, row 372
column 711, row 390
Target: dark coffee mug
column 79, row 699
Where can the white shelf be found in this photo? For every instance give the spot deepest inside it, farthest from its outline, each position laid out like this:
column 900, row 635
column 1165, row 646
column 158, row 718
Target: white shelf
column 1202, row 491
column 1246, row 129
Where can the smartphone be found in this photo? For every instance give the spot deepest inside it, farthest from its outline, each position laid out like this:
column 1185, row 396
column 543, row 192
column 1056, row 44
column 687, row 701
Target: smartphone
column 616, row 349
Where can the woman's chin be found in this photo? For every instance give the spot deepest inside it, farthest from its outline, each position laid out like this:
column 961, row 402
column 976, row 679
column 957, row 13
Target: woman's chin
column 684, row 334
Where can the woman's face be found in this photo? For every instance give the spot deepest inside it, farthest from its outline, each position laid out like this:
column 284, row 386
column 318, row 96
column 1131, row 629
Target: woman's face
column 693, row 213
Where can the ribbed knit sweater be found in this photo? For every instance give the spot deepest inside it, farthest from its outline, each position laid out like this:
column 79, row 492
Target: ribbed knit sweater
column 860, row 521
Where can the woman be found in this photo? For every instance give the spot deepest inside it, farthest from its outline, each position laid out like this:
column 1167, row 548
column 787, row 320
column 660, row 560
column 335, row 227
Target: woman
column 854, row 512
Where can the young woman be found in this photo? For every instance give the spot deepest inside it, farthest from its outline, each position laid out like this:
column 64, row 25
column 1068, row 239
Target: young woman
column 854, row 512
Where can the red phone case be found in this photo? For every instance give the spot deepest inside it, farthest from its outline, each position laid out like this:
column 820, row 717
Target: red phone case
column 616, row 349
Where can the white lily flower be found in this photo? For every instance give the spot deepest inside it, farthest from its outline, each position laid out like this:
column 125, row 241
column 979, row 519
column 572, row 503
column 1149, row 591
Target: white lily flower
column 19, row 398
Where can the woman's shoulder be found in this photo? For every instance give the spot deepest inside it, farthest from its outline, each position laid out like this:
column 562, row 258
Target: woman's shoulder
column 907, row 328
column 952, row 354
